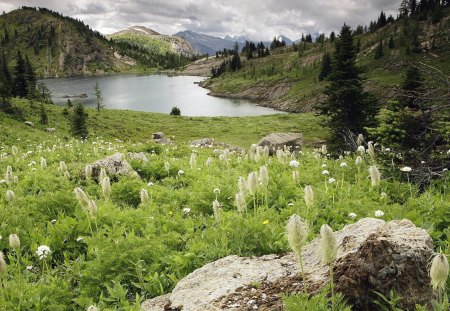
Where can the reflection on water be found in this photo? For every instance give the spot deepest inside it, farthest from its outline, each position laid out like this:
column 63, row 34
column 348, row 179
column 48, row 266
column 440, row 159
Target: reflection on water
column 153, row 93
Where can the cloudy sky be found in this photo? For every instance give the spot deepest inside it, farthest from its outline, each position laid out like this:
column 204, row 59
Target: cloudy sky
column 256, row 19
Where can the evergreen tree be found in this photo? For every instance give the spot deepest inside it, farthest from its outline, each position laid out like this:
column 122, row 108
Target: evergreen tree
column 332, row 37
column 30, row 78
column 235, row 63
column 391, row 43
column 347, row 107
column 43, row 115
column 379, row 52
column 44, row 93
column 412, row 86
column 326, row 66
column 98, row 96
column 20, row 78
column 5, row 80
column 79, row 126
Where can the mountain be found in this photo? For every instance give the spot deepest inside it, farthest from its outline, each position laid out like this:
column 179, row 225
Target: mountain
column 205, row 44
column 153, row 41
column 57, row 45
column 285, row 39
column 287, row 79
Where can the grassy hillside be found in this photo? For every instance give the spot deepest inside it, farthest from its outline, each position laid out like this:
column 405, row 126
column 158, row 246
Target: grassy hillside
column 288, row 78
column 136, row 126
column 129, row 249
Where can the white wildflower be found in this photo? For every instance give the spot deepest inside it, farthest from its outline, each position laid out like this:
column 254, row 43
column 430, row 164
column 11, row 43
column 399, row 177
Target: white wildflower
column 43, row 251
column 379, row 213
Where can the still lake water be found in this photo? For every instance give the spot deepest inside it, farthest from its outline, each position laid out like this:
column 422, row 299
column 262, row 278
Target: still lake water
column 152, row 93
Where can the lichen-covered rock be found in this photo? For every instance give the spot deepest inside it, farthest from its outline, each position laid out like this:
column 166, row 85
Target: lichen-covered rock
column 372, row 256
column 277, row 141
column 140, row 156
column 114, row 165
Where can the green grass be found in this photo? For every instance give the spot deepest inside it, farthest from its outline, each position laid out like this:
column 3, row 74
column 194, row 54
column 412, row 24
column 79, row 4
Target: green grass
column 138, row 126
column 132, row 251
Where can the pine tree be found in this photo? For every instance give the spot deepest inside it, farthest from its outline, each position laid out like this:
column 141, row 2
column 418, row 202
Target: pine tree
column 412, row 85
column 79, row 126
column 379, row 52
column 43, row 115
column 98, row 96
column 30, row 78
column 391, row 43
column 347, row 107
column 326, row 66
column 20, row 80
column 5, row 80
column 332, row 37
column 235, row 63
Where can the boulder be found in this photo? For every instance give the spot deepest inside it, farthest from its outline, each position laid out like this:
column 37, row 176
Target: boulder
column 158, row 135
column 29, row 123
column 114, row 165
column 202, row 143
column 277, row 141
column 372, row 256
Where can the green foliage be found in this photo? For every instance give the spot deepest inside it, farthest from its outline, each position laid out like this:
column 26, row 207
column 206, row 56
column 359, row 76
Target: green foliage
column 175, row 111
column 389, row 303
column 43, row 115
column 326, row 66
column 318, row 302
column 98, row 96
column 126, row 192
column 79, row 126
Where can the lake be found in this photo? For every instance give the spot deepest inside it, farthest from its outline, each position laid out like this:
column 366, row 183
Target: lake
column 152, row 93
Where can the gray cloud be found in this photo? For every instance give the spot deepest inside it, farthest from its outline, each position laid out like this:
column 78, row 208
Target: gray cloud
column 260, row 20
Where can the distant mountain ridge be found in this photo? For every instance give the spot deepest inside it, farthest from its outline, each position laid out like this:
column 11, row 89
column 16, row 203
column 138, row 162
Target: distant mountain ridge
column 207, row 44
column 155, row 41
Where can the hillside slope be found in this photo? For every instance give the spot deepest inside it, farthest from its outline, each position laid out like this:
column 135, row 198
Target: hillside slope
column 288, row 78
column 58, row 45
column 153, row 41
column 205, row 44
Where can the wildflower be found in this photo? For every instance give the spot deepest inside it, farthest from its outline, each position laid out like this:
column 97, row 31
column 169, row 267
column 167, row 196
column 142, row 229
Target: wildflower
column 3, row 266
column 92, row 308
column 43, row 163
column 14, row 150
column 242, row 184
column 29, row 268
column 352, row 215
column 293, row 163
column 360, row 139
column 186, row 210
column 216, row 209
column 323, row 150
column 180, row 172
column 331, row 180
column 167, row 166
column 10, row 196
column 53, row 221
column 67, row 175
column 14, row 242
column 81, row 197
column 144, row 196
column 208, row 162
column 406, row 169
column 309, row 196
column 379, row 213
column 252, row 183
column 240, row 202
column 43, row 251
column 387, row 149
column 9, row 177
column 103, row 174
column 375, row 176
column 295, row 176
column 325, row 172
column 370, row 149
column 193, row 160
column 361, row 150
column 439, row 272
column 106, row 187
column 264, row 176
column 217, row 191
column 88, row 171
column 79, row 239
column 265, row 222
column 383, row 195
column 62, row 167
column 343, row 164
column 358, row 160
column 297, row 233
column 92, row 208
column 327, row 245
column 290, row 204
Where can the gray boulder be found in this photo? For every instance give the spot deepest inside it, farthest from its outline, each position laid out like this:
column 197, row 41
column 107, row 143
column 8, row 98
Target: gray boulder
column 114, row 165
column 277, row 141
column 372, row 256
column 158, row 135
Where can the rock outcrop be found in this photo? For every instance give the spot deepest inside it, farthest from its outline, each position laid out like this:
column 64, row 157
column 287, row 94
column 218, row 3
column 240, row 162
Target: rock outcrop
column 114, row 165
column 277, row 141
column 372, row 256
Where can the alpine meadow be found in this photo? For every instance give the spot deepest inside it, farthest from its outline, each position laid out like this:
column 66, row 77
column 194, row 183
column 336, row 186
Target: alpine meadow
column 314, row 174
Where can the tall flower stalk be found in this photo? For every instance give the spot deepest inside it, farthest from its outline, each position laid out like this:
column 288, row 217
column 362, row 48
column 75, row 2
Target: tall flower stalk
column 328, row 251
column 297, row 233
